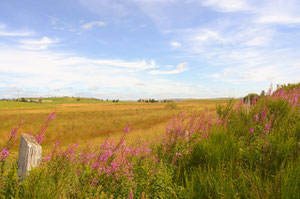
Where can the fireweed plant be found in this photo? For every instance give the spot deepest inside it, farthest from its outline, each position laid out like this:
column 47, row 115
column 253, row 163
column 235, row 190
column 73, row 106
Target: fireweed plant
column 11, row 141
column 243, row 150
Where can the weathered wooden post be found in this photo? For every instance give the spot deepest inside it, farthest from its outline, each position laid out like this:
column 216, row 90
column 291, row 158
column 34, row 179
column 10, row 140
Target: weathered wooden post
column 30, row 153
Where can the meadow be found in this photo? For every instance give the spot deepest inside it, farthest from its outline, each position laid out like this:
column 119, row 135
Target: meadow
column 92, row 121
column 194, row 149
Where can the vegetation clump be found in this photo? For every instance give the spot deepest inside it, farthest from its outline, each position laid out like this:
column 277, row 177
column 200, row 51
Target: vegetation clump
column 171, row 105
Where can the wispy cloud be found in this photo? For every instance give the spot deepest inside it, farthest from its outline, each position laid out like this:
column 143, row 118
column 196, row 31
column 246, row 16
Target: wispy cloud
column 38, row 44
column 138, row 65
column 280, row 19
column 227, row 5
column 51, row 72
column 243, row 52
column 278, row 12
column 179, row 69
column 92, row 24
column 175, row 44
column 13, row 33
column 270, row 12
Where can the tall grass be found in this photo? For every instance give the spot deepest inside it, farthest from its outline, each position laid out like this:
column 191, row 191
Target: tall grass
column 84, row 123
column 241, row 151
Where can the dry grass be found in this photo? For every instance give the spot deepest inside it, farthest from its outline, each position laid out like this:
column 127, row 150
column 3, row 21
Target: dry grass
column 94, row 122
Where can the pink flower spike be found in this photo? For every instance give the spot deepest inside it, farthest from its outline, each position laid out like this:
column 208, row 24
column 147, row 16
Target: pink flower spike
column 51, row 116
column 267, row 128
column 3, row 154
column 251, row 130
column 178, row 155
column 126, row 130
column 256, row 117
column 13, row 133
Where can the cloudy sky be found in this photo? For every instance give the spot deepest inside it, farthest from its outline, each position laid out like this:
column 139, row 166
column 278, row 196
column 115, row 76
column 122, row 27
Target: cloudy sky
column 130, row 49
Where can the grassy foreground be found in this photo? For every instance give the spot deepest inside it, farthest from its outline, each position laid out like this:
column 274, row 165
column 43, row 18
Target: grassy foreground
column 245, row 151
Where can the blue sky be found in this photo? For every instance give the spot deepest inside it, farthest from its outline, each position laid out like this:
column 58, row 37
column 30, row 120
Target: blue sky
column 134, row 49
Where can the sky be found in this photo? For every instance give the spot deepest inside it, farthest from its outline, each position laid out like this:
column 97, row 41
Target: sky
column 131, row 49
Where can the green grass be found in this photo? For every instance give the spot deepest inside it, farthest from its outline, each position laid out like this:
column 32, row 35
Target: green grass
column 11, row 105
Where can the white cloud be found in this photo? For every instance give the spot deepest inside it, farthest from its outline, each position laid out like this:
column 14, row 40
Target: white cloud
column 205, row 35
column 279, row 19
column 90, row 25
column 253, row 67
column 38, row 44
column 273, row 12
column 227, row 5
column 255, row 36
column 7, row 33
column 118, row 8
column 139, row 64
column 179, row 69
column 46, row 71
column 279, row 12
column 175, row 44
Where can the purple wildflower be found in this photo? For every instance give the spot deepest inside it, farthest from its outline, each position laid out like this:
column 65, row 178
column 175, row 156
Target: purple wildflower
column 251, row 130
column 256, row 118
column 178, row 155
column 13, row 133
column 4, row 154
column 126, row 130
column 51, row 116
column 267, row 128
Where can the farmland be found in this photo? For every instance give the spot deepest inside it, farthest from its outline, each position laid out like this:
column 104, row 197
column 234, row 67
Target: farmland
column 94, row 121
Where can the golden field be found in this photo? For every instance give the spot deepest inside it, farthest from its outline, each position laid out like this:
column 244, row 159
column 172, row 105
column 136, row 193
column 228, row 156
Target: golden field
column 91, row 121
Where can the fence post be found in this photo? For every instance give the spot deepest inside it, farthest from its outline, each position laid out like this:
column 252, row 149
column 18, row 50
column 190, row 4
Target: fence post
column 30, row 153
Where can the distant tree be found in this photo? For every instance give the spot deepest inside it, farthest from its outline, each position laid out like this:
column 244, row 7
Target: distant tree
column 263, row 93
column 113, row 101
column 139, row 100
column 78, row 99
column 117, row 100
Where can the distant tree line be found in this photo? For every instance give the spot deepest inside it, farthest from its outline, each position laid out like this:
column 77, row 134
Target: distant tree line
column 153, row 101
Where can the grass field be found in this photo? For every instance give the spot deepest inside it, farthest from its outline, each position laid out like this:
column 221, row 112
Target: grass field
column 236, row 150
column 94, row 121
